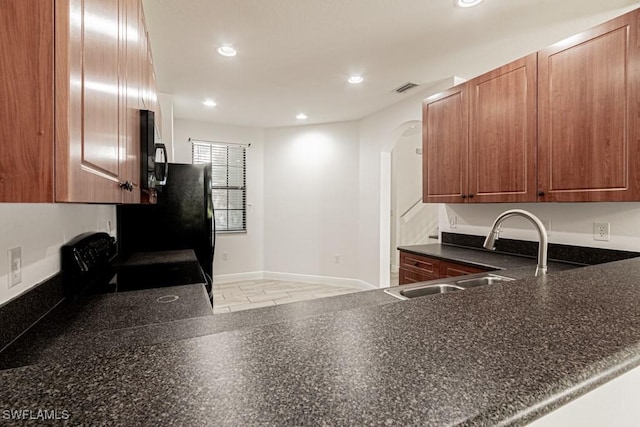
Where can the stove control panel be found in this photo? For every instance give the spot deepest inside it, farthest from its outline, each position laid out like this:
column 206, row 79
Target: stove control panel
column 87, row 253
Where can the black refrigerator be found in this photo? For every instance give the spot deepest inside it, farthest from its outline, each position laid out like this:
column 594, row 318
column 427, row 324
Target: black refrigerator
column 181, row 219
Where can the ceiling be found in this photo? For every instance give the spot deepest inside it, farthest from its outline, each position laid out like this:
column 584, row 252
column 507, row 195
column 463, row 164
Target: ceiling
column 296, row 55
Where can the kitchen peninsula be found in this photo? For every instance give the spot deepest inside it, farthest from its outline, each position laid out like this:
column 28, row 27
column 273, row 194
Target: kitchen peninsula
column 506, row 353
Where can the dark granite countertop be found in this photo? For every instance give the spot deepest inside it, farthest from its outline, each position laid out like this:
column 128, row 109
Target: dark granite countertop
column 477, row 257
column 65, row 337
column 88, row 323
column 505, row 353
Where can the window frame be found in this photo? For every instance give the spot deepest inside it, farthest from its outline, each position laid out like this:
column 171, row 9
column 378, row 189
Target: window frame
column 216, row 147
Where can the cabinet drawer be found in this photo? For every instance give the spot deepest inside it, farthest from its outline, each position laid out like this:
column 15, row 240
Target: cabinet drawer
column 448, row 269
column 407, row 276
column 423, row 265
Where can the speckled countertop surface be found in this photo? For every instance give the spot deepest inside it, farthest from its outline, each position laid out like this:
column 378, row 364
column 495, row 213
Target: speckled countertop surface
column 88, row 323
column 505, row 353
column 101, row 323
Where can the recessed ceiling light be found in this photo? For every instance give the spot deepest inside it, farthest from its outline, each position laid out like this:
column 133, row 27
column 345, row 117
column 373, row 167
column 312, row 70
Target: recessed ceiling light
column 467, row 3
column 355, row 79
column 227, row 51
column 301, row 116
column 210, row 103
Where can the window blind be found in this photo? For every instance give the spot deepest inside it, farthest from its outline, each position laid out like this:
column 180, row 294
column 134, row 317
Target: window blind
column 228, row 182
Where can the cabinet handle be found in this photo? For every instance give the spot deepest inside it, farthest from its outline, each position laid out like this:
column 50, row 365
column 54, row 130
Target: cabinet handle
column 126, row 186
column 541, row 193
column 471, row 196
column 464, row 196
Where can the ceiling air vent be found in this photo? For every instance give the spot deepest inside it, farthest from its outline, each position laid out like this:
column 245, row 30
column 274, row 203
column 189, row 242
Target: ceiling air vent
column 405, row 87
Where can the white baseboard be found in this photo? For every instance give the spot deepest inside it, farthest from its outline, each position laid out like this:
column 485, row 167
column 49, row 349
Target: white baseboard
column 291, row 277
column 238, row 277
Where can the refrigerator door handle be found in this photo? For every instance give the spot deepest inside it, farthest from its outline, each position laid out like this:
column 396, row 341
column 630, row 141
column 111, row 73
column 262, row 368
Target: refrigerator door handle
column 162, row 177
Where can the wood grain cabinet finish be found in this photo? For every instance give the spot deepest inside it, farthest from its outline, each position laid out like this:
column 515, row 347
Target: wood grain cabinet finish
column 419, row 268
column 444, row 147
column 132, row 34
column 87, row 101
column 589, row 115
column 479, row 138
column 561, row 125
column 26, row 106
column 426, row 267
column 449, row 269
column 71, row 80
column 502, row 133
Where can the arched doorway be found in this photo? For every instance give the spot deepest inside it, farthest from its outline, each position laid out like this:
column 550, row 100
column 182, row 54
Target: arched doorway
column 412, row 222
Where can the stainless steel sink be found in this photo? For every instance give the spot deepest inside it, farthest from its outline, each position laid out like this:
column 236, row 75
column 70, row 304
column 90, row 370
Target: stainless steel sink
column 430, row 290
column 481, row 281
column 442, row 286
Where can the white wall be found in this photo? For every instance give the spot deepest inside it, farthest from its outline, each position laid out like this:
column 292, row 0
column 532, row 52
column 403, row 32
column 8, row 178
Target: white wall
column 407, row 172
column 420, row 220
column 166, row 107
column 571, row 223
column 311, row 200
column 244, row 250
column 378, row 132
column 41, row 229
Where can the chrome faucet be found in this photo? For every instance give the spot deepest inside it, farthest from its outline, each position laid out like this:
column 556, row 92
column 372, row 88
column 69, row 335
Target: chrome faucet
column 494, row 235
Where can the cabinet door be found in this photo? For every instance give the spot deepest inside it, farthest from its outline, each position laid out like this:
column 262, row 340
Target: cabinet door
column 589, row 104
column 130, row 151
column 87, row 101
column 26, row 106
column 449, row 269
column 444, row 151
column 428, row 268
column 416, row 268
column 502, row 133
column 405, row 277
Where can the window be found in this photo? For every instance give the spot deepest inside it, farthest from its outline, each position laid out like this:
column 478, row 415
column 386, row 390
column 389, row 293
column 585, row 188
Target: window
column 228, row 182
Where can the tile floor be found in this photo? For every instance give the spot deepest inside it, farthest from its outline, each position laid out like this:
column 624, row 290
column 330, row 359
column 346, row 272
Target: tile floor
column 237, row 296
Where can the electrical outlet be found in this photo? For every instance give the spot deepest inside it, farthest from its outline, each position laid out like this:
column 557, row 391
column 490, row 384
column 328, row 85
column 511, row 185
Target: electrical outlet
column 225, row 256
column 336, row 259
column 15, row 265
column 601, row 231
column 453, row 221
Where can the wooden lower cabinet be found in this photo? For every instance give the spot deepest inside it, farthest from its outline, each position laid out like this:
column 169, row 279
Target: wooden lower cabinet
column 449, row 269
column 418, row 268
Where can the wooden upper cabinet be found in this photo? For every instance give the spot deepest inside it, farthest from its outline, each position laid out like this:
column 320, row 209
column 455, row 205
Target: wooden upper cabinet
column 88, row 96
column 131, row 28
column 479, row 138
column 502, row 133
column 444, row 146
column 71, row 79
column 26, row 100
column 589, row 110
